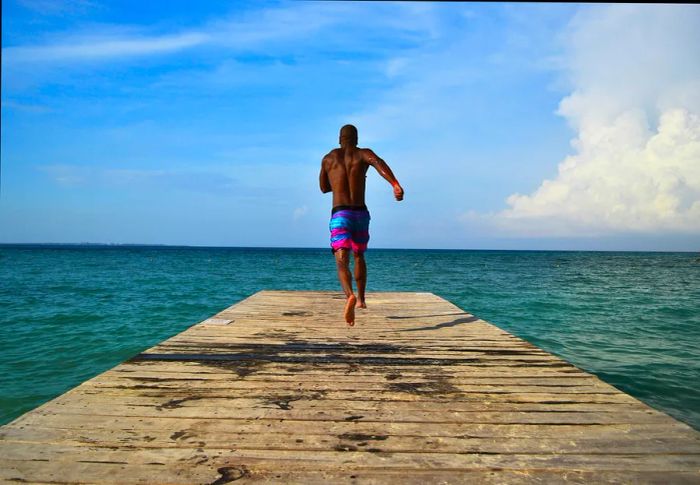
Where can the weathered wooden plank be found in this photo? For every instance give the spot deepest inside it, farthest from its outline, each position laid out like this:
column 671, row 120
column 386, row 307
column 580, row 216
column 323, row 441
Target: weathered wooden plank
column 384, row 386
column 64, row 454
column 276, row 389
column 332, row 369
column 134, row 425
column 369, row 381
column 302, row 439
column 232, row 402
column 177, row 409
column 110, row 473
column 294, row 401
column 507, row 354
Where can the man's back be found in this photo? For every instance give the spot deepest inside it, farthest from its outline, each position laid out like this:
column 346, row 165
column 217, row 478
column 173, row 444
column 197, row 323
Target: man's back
column 347, row 172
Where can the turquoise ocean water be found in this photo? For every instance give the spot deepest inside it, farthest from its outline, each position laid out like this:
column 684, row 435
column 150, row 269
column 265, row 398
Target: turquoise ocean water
column 69, row 313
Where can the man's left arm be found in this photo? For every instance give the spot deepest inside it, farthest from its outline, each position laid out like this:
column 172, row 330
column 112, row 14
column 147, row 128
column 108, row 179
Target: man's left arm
column 383, row 168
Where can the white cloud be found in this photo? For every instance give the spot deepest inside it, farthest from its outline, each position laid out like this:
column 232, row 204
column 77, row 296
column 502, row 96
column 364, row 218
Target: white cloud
column 257, row 28
column 300, row 212
column 102, row 48
column 623, row 178
column 121, row 41
column 635, row 106
column 58, row 7
column 27, row 107
column 68, row 175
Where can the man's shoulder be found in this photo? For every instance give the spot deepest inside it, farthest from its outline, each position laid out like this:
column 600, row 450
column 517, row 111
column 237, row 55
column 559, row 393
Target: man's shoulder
column 333, row 157
column 367, row 154
column 332, row 154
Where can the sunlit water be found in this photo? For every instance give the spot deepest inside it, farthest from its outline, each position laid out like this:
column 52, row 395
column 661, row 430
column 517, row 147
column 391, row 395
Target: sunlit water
column 69, row 313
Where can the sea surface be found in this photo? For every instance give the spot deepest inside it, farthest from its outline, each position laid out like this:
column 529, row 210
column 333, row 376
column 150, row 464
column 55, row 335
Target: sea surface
column 68, row 313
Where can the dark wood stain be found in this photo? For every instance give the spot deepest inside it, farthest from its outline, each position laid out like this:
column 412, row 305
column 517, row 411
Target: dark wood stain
column 231, row 474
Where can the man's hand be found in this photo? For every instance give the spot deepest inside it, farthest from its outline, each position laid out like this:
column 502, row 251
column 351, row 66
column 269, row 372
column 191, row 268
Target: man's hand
column 398, row 191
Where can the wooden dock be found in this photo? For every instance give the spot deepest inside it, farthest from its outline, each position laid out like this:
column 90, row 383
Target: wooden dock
column 276, row 389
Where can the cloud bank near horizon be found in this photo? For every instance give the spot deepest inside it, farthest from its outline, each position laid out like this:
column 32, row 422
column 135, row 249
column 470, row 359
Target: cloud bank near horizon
column 635, row 108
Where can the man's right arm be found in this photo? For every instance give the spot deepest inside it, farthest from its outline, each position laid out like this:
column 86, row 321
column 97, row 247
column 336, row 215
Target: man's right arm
column 323, row 181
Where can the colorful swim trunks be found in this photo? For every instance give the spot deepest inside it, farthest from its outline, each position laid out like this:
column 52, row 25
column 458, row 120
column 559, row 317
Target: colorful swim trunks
column 349, row 228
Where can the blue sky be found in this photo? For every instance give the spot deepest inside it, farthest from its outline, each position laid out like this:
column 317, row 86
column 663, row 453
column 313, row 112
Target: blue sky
column 510, row 126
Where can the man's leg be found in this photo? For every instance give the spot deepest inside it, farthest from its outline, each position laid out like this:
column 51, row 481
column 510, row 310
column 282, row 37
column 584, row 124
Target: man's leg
column 342, row 261
column 360, row 278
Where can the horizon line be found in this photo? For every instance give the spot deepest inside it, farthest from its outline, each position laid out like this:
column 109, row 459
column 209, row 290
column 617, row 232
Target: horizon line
column 160, row 245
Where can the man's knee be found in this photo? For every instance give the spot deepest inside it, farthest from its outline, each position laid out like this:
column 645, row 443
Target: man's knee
column 359, row 260
column 341, row 258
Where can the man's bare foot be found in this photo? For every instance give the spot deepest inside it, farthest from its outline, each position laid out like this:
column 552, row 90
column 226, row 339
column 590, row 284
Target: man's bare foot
column 350, row 310
column 361, row 304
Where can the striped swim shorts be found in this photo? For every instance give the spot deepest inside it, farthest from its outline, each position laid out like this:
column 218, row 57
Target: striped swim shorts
column 349, row 228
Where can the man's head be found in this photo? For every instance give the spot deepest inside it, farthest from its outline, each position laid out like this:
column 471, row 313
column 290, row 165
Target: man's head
column 348, row 136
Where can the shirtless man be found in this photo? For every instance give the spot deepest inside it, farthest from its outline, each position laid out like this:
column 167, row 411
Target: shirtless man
column 343, row 171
